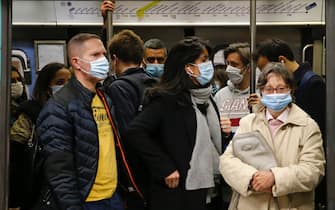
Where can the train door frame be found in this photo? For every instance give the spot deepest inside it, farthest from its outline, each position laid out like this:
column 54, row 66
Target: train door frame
column 330, row 102
column 5, row 7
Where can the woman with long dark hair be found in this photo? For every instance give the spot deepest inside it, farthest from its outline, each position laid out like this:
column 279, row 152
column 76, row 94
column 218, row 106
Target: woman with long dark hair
column 50, row 79
column 178, row 134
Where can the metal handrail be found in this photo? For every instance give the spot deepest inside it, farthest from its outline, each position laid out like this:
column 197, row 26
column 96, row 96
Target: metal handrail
column 304, row 51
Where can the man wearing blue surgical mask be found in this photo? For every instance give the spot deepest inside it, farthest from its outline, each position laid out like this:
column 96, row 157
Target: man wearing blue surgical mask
column 155, row 54
column 79, row 136
column 232, row 99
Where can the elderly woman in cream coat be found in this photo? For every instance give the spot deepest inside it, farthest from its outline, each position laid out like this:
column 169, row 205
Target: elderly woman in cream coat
column 296, row 143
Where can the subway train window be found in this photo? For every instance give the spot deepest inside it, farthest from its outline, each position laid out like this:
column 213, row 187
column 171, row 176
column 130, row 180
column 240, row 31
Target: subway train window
column 148, row 105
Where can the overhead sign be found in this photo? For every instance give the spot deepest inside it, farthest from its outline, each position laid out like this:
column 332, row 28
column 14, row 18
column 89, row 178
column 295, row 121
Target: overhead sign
column 269, row 12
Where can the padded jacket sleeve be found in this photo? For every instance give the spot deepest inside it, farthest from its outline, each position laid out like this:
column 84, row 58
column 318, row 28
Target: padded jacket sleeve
column 55, row 130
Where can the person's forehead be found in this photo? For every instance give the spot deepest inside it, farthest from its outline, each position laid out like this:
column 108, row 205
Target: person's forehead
column 154, row 52
column 93, row 45
column 275, row 79
column 235, row 57
column 62, row 72
column 262, row 57
column 204, row 54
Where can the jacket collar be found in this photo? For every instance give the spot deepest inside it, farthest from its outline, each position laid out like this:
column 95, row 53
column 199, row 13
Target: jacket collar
column 83, row 92
column 132, row 71
column 235, row 90
column 296, row 116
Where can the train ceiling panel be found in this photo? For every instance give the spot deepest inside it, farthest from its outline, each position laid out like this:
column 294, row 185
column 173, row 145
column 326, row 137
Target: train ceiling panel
column 170, row 13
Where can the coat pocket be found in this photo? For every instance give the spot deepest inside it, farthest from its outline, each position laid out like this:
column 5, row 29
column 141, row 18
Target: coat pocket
column 45, row 201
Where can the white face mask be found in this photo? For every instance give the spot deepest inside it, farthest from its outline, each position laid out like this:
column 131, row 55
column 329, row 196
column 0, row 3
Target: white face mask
column 56, row 88
column 16, row 90
column 234, row 74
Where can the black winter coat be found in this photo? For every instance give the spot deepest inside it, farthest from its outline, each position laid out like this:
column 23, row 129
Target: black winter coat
column 311, row 97
column 69, row 137
column 164, row 135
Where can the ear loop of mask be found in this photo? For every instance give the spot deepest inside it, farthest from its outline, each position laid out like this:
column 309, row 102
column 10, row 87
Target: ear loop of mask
column 190, row 72
column 244, row 69
column 81, row 69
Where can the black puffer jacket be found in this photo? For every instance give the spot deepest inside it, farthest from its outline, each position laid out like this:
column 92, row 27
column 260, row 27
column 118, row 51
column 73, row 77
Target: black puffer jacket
column 68, row 134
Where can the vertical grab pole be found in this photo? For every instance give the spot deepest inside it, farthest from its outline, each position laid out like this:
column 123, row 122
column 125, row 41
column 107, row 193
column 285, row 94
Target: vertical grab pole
column 109, row 27
column 109, row 30
column 330, row 102
column 5, row 45
column 252, row 45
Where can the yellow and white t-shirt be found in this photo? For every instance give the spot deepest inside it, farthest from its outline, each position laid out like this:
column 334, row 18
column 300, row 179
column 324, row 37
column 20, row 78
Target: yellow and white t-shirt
column 106, row 179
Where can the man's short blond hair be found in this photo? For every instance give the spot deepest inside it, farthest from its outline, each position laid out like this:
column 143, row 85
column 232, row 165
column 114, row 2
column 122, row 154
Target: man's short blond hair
column 76, row 42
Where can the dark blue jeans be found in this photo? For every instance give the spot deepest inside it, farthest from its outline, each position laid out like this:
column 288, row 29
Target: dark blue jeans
column 113, row 203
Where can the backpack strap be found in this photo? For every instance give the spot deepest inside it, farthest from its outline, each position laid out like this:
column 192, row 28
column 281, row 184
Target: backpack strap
column 303, row 82
column 307, row 76
column 139, row 85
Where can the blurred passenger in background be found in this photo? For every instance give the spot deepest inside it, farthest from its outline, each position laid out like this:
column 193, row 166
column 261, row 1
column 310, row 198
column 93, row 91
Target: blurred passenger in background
column 50, row 79
column 155, row 54
column 220, row 75
column 18, row 93
column 232, row 99
column 178, row 134
column 155, row 51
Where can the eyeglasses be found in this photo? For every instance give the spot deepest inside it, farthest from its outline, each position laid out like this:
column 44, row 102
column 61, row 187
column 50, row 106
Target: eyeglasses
column 269, row 90
column 153, row 59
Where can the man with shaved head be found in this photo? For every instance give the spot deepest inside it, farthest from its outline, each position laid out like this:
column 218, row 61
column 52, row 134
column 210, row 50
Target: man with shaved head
column 78, row 136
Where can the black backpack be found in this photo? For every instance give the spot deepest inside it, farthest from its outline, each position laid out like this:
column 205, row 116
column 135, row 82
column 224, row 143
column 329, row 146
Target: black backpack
column 141, row 85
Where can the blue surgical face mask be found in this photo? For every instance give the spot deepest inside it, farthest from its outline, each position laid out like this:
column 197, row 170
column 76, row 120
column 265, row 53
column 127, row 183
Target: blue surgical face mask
column 99, row 68
column 206, row 70
column 154, row 70
column 276, row 102
column 56, row 88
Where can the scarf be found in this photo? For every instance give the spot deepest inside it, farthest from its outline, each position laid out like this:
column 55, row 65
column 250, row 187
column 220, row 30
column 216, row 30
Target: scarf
column 204, row 162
